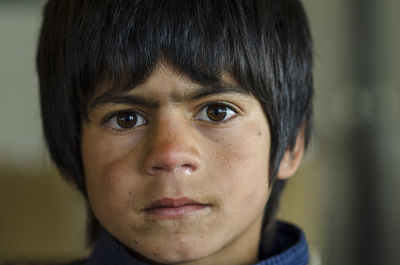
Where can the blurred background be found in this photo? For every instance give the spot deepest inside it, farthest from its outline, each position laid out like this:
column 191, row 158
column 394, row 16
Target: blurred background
column 346, row 194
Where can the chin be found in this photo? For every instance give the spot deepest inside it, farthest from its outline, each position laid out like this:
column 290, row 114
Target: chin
column 176, row 253
column 172, row 257
column 169, row 259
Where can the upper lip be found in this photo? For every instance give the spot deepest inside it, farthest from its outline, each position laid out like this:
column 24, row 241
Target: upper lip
column 173, row 203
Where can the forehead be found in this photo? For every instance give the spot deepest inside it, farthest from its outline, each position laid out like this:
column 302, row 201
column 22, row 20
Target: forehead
column 167, row 81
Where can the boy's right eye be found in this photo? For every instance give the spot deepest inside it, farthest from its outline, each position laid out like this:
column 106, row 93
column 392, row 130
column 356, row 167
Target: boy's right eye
column 125, row 120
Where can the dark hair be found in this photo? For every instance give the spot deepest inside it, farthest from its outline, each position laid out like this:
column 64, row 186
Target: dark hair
column 265, row 45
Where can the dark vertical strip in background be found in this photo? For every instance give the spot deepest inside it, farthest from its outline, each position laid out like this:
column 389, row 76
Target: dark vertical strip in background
column 364, row 150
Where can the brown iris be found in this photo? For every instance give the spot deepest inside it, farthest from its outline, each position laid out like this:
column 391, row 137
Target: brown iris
column 126, row 120
column 216, row 112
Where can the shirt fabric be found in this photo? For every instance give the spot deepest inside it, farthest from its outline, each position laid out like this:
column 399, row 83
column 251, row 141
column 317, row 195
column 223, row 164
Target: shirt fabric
column 289, row 248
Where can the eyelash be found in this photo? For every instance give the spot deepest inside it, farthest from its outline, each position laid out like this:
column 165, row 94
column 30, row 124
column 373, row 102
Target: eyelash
column 230, row 111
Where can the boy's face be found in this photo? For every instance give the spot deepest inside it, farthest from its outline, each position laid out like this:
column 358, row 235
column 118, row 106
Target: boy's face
column 178, row 172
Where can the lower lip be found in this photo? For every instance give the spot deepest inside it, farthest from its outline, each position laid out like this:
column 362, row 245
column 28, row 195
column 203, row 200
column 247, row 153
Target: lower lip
column 175, row 211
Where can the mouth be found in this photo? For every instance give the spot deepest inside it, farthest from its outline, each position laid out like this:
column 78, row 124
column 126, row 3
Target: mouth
column 168, row 207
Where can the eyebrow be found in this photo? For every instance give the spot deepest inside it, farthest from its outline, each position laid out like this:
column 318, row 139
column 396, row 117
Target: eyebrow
column 112, row 97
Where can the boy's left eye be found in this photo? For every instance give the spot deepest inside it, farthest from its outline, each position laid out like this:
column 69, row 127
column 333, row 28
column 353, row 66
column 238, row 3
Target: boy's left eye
column 125, row 120
column 216, row 112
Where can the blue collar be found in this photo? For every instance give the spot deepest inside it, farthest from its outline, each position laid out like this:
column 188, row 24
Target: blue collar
column 289, row 247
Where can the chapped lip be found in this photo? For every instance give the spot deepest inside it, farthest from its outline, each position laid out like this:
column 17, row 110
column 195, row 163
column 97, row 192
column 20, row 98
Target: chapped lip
column 173, row 203
column 174, row 208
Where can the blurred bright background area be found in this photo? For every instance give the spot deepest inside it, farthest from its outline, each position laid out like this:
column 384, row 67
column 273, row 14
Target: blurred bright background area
column 345, row 196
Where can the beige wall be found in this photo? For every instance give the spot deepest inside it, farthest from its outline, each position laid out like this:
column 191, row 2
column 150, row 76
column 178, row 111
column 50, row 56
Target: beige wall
column 42, row 219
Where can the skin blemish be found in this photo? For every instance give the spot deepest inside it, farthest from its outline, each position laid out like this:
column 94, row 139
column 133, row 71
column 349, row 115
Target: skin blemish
column 155, row 254
column 137, row 243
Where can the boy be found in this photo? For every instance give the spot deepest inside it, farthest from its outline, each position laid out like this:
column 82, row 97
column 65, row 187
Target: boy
column 179, row 120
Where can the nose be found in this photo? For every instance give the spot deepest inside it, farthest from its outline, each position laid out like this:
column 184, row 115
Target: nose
column 171, row 148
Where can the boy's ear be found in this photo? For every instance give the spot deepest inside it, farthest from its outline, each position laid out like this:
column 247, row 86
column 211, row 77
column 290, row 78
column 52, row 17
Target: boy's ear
column 292, row 157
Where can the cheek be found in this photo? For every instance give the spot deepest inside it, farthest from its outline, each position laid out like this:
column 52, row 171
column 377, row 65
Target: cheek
column 242, row 160
column 108, row 170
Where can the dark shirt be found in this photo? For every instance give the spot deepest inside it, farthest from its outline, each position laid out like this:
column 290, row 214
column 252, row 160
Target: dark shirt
column 288, row 248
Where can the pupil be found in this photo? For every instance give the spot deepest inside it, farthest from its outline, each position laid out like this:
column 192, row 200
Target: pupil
column 126, row 120
column 216, row 112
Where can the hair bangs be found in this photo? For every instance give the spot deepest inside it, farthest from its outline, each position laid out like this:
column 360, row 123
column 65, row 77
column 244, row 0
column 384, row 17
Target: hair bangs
column 265, row 46
column 192, row 37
